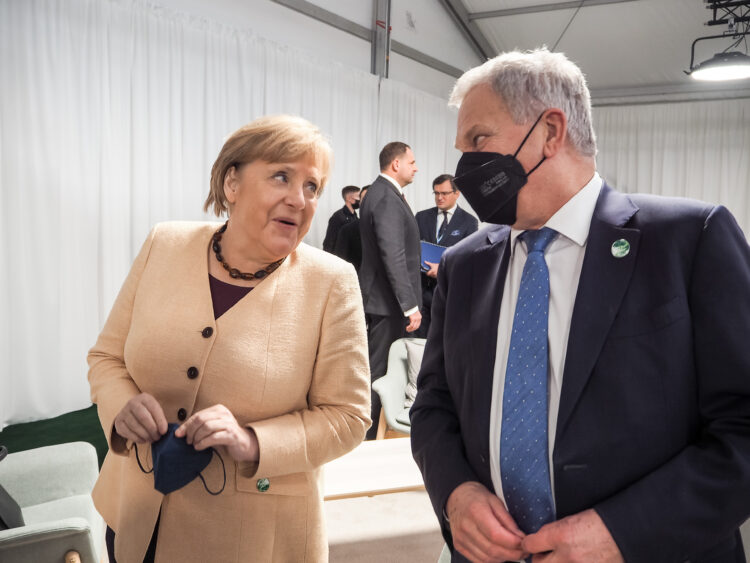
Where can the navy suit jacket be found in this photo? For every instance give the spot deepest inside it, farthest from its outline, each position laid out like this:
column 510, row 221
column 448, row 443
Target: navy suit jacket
column 653, row 430
column 461, row 225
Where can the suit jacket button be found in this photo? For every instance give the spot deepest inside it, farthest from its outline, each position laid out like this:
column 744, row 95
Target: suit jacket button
column 192, row 372
column 182, row 414
column 207, row 332
column 263, row 484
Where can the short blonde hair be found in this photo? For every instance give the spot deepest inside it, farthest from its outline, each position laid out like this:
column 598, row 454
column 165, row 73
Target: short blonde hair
column 274, row 138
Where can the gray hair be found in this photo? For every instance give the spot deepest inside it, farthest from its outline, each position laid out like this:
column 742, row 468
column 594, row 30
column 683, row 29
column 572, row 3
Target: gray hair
column 531, row 82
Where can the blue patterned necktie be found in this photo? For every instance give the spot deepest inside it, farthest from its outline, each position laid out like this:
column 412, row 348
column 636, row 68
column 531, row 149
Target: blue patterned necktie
column 443, row 226
column 524, row 461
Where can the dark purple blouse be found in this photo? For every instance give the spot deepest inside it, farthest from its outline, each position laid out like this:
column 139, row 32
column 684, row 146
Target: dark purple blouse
column 224, row 295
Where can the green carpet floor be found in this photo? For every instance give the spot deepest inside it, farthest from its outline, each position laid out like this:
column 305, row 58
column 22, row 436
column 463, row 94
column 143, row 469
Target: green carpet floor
column 76, row 426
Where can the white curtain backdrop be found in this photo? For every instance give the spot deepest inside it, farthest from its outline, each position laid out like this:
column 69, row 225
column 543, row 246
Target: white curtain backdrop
column 112, row 112
column 111, row 115
column 429, row 127
column 699, row 150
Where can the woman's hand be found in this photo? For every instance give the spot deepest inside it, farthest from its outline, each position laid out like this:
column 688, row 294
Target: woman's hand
column 141, row 420
column 216, row 426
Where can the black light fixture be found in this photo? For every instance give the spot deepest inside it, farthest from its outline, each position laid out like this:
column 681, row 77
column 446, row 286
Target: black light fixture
column 728, row 64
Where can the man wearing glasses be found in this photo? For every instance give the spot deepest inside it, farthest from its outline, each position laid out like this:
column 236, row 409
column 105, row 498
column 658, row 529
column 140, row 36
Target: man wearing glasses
column 445, row 225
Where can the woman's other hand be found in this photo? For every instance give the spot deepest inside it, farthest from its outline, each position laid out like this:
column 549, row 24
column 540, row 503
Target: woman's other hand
column 216, row 426
column 141, row 420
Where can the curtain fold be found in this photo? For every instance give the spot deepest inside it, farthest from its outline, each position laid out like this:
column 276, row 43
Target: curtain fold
column 699, row 150
column 111, row 115
column 113, row 111
column 427, row 125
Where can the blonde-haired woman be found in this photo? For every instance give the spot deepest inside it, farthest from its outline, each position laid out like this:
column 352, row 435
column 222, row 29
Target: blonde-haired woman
column 254, row 344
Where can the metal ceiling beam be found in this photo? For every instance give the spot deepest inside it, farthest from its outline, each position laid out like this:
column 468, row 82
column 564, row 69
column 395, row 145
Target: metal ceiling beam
column 667, row 93
column 322, row 15
column 334, row 20
column 470, row 30
column 381, row 38
column 425, row 59
column 541, row 8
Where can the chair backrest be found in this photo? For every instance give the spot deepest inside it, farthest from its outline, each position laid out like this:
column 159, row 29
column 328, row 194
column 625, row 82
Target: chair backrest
column 50, row 472
column 445, row 555
column 397, row 360
column 52, row 485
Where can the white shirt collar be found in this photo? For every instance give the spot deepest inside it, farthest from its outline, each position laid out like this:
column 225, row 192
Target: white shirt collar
column 573, row 220
column 449, row 211
column 394, row 182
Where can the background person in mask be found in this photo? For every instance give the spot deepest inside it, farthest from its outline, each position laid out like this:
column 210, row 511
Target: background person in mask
column 345, row 215
column 584, row 395
column 349, row 239
column 250, row 340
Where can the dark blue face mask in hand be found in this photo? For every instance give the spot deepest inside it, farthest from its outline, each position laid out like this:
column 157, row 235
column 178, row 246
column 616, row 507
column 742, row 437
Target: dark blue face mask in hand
column 491, row 182
column 176, row 463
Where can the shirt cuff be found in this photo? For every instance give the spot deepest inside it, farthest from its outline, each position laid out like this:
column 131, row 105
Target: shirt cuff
column 411, row 311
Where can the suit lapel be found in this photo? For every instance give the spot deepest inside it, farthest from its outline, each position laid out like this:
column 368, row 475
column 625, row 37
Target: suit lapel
column 603, row 283
column 489, row 268
column 432, row 225
column 455, row 224
column 400, row 195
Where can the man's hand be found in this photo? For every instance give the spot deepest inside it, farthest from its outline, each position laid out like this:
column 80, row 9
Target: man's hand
column 432, row 272
column 481, row 527
column 415, row 319
column 580, row 537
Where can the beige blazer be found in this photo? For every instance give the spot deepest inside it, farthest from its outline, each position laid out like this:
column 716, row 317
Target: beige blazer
column 289, row 360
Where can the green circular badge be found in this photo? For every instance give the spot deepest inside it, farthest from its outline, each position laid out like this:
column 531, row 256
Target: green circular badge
column 263, row 484
column 620, row 248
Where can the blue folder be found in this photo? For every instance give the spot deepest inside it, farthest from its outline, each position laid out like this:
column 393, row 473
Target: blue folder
column 431, row 253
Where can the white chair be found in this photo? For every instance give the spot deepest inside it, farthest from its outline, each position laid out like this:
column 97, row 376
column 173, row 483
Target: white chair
column 391, row 388
column 445, row 555
column 52, row 485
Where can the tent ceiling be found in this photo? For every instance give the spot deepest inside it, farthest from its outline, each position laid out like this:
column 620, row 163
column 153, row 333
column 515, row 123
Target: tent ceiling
column 629, row 49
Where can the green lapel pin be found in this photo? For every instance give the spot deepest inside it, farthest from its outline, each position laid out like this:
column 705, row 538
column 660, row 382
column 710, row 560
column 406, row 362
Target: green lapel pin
column 620, row 248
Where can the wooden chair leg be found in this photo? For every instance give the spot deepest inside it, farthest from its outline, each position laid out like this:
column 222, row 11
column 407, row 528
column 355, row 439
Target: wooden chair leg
column 72, row 557
column 382, row 426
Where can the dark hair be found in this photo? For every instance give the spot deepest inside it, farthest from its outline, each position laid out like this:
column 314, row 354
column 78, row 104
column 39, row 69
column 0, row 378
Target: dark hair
column 364, row 188
column 391, row 152
column 442, row 178
column 346, row 190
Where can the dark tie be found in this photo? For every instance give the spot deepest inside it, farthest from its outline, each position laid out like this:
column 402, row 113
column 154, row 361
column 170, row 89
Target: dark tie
column 404, row 198
column 524, row 461
column 443, row 227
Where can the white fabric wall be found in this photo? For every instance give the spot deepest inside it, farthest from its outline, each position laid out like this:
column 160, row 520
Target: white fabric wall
column 699, row 150
column 112, row 112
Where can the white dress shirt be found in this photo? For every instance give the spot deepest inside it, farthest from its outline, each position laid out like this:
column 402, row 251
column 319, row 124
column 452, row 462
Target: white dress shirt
column 394, row 182
column 564, row 257
column 400, row 191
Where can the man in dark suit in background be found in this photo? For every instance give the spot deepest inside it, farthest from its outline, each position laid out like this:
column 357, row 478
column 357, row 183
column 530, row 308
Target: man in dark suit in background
column 445, row 224
column 389, row 275
column 585, row 391
column 349, row 241
column 343, row 216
